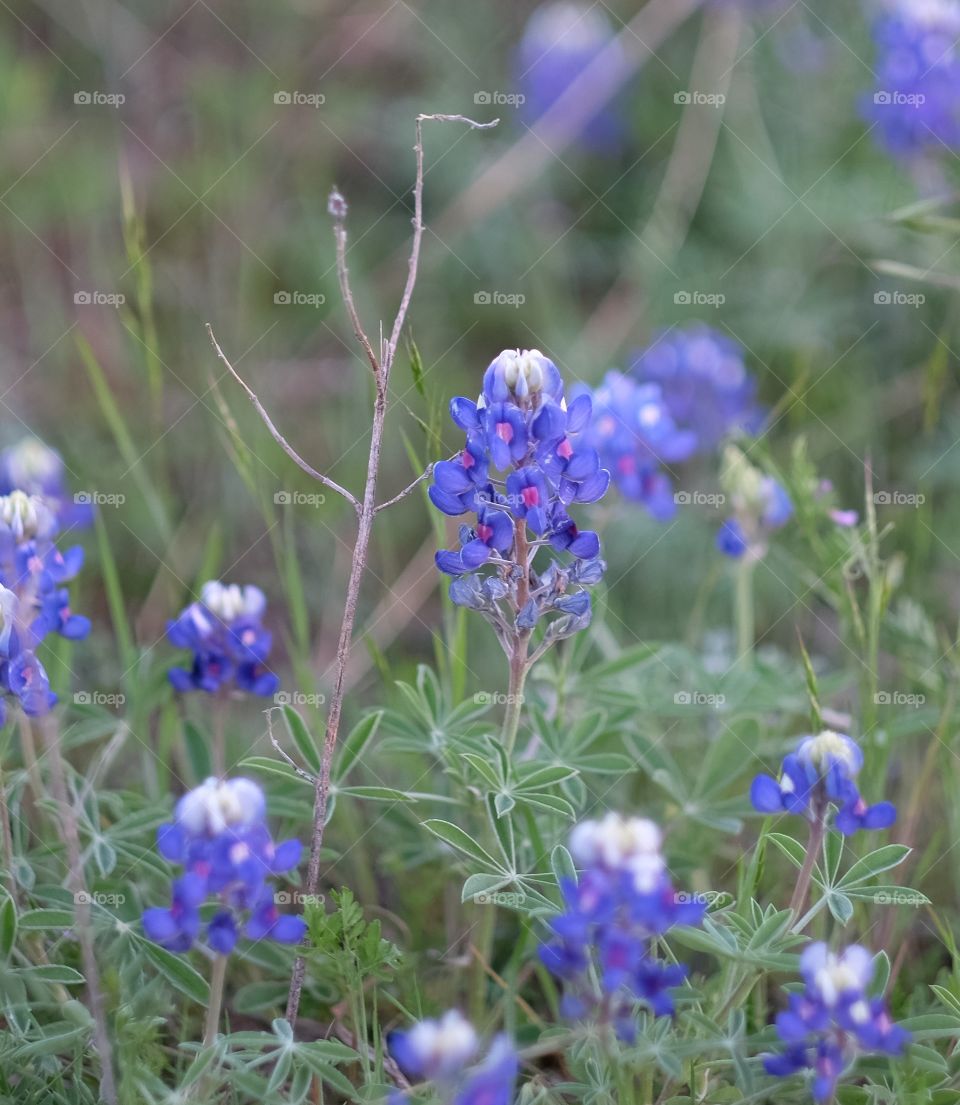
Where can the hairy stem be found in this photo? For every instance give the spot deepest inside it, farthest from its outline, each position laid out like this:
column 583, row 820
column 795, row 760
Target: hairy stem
column 818, row 828
column 745, row 618
column 211, row 1024
column 81, row 909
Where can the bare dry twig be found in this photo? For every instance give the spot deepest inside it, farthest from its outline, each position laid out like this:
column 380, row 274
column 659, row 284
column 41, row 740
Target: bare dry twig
column 381, row 366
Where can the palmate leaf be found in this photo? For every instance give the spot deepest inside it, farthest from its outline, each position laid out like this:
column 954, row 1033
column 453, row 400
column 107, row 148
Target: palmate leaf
column 463, row 842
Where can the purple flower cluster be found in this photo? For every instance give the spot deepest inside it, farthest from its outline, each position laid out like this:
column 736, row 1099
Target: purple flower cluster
column 624, row 900
column 525, row 461
column 560, row 41
column 34, row 598
column 33, row 467
column 442, row 1051
column 705, row 383
column 916, row 100
column 220, row 837
column 634, row 433
column 759, row 503
column 228, row 641
column 822, row 772
column 826, row 1024
column 684, row 393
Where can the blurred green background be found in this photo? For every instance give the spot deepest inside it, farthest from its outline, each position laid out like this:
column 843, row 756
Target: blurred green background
column 201, row 198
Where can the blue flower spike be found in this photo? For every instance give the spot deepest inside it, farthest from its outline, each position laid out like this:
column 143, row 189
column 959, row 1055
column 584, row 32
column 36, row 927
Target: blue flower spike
column 603, row 941
column 443, row 1051
column 822, row 773
column 527, row 458
column 220, row 838
column 833, row 1019
column 224, row 630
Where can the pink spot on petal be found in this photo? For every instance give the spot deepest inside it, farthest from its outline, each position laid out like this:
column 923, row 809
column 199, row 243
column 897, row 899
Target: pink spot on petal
column 530, row 496
column 565, row 449
column 505, row 432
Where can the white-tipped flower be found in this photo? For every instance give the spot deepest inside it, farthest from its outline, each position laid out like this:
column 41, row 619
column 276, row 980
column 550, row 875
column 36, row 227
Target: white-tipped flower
column 218, row 804
column 9, row 603
column 616, row 842
column 835, row 975
column 442, row 1048
column 230, row 601
column 25, row 516
column 31, row 465
column 830, row 749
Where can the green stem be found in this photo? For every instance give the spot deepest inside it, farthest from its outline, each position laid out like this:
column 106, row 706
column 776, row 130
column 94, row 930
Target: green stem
column 519, row 666
column 818, row 828
column 212, row 1023
column 744, row 607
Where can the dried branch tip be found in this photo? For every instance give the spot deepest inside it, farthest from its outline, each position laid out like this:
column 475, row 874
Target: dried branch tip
column 337, row 205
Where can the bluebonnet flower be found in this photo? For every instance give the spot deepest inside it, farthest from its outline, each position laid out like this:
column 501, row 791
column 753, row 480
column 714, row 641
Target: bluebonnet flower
column 916, row 101
column 527, row 458
column 560, row 40
column 442, row 1051
column 760, row 506
column 34, row 600
column 634, row 433
column 822, row 772
column 229, row 643
column 35, row 468
column 624, row 900
column 704, row 382
column 833, row 1018
column 220, row 837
